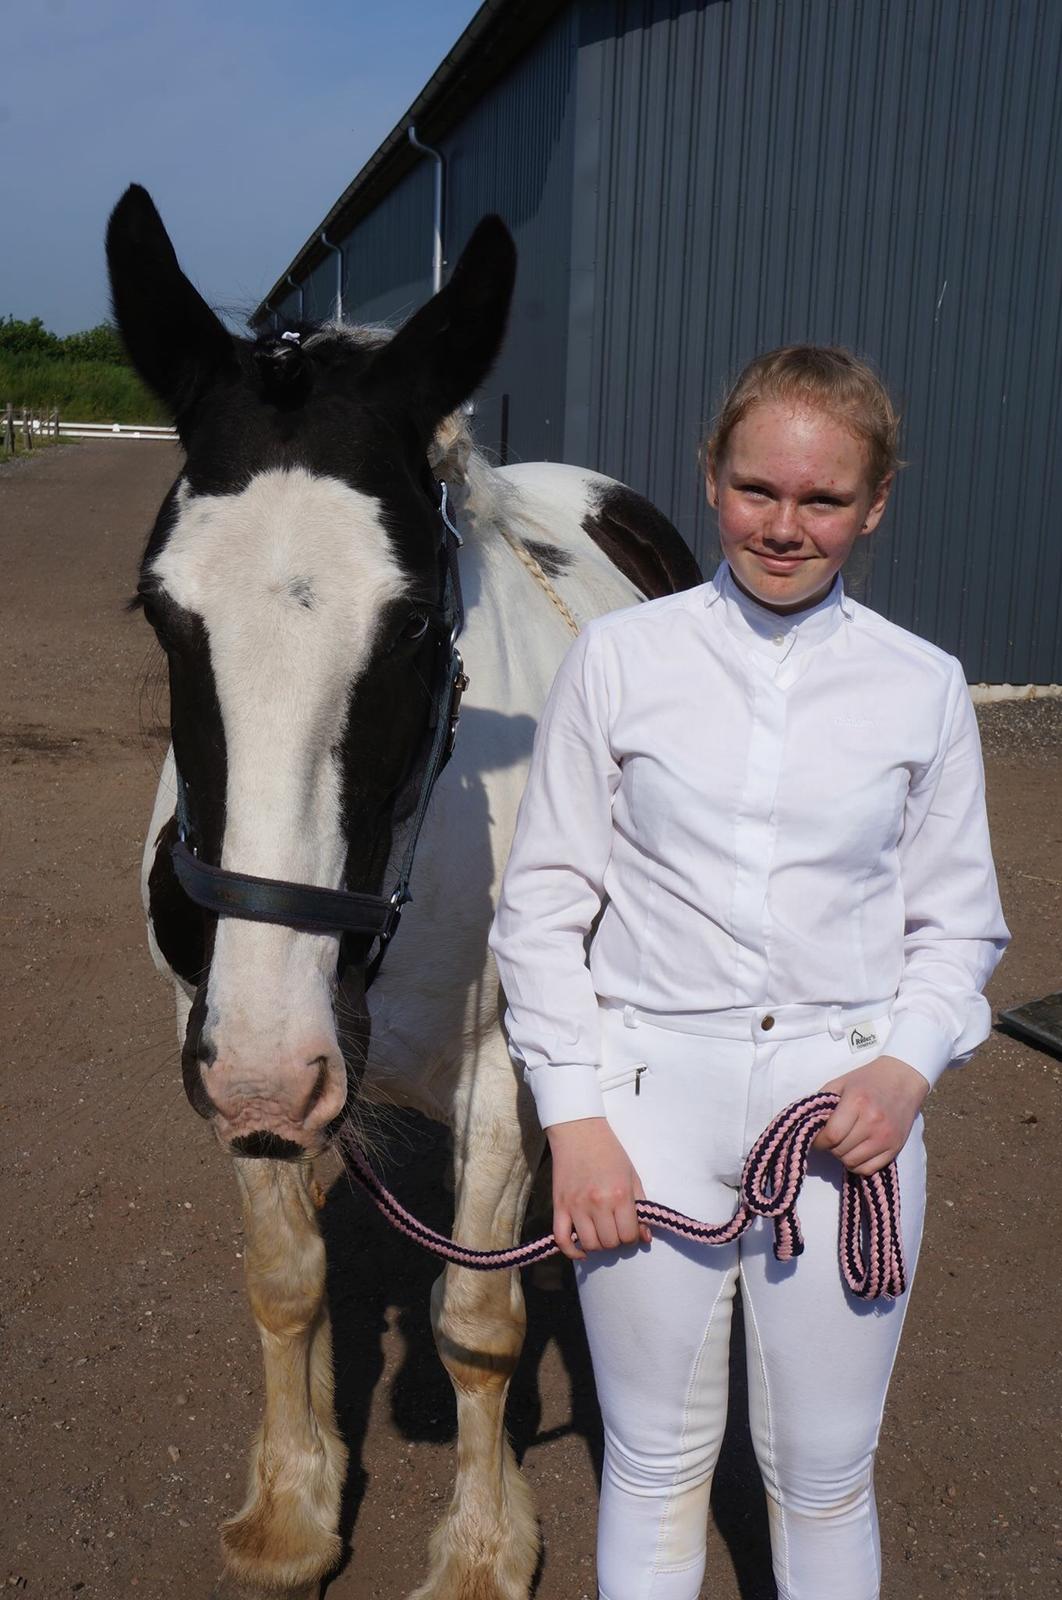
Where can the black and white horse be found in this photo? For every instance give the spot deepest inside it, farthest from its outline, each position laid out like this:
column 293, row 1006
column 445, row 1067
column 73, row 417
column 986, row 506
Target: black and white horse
column 295, row 582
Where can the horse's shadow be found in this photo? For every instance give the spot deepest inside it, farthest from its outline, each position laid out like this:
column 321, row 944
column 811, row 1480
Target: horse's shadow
column 377, row 1276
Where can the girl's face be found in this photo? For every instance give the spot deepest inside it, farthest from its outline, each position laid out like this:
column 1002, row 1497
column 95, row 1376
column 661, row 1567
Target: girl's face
column 793, row 494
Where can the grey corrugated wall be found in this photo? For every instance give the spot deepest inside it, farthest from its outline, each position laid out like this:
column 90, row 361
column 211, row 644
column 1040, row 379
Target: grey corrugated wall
column 513, row 154
column 883, row 175
column 510, row 154
column 692, row 181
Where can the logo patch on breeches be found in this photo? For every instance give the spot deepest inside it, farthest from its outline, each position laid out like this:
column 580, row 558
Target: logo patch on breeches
column 862, row 1036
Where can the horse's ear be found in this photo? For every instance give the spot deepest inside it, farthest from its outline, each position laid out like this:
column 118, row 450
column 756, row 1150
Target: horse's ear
column 174, row 340
column 444, row 352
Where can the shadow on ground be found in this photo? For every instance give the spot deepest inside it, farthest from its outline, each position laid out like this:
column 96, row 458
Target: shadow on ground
column 377, row 1278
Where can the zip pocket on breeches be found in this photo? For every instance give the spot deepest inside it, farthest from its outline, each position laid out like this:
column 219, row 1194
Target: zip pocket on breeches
column 632, row 1074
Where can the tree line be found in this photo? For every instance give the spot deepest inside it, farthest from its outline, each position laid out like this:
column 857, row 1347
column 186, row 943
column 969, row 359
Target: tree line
column 86, row 376
column 32, row 338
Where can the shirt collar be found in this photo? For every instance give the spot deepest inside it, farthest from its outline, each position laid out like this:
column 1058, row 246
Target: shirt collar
column 760, row 626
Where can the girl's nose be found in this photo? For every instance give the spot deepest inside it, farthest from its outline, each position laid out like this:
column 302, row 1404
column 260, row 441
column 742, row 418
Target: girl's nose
column 783, row 528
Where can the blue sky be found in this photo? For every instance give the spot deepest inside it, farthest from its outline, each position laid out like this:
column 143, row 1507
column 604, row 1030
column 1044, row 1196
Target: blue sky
column 244, row 118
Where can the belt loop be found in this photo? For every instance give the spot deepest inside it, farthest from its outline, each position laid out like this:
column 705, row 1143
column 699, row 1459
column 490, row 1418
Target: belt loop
column 835, row 1023
column 630, row 1017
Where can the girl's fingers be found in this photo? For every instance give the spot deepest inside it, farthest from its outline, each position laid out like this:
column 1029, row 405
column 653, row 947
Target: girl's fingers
column 603, row 1228
column 644, row 1233
column 858, row 1137
column 867, row 1169
column 864, row 1150
column 627, row 1225
column 562, row 1233
column 840, row 1125
column 583, row 1223
column 608, row 1234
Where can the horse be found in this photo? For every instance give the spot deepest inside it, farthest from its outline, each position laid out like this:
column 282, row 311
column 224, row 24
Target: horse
column 305, row 582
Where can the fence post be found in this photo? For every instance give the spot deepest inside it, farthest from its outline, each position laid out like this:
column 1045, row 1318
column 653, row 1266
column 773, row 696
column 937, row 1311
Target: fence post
column 9, row 428
column 27, row 437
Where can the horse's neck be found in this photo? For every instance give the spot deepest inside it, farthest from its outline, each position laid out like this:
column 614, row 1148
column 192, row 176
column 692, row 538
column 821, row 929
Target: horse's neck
column 533, row 517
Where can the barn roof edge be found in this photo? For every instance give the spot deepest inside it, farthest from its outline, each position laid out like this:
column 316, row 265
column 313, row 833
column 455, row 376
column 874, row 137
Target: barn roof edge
column 498, row 33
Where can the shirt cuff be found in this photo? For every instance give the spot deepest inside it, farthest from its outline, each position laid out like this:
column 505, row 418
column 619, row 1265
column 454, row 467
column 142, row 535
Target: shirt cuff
column 565, row 1093
column 919, row 1043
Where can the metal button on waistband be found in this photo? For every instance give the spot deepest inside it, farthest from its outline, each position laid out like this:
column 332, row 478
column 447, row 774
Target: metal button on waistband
column 767, row 1023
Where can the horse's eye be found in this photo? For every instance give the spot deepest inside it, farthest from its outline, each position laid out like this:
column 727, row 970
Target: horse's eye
column 416, row 627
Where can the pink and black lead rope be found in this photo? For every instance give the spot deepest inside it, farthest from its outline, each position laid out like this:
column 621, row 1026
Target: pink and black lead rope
column 770, row 1185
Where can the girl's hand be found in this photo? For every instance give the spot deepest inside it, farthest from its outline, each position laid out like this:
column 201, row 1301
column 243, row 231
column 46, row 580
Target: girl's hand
column 878, row 1105
column 594, row 1189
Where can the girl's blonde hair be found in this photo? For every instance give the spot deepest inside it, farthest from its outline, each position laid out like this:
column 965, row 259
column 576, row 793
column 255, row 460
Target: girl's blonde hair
column 822, row 376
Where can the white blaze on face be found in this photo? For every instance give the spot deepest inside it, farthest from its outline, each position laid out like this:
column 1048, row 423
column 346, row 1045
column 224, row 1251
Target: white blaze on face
column 289, row 577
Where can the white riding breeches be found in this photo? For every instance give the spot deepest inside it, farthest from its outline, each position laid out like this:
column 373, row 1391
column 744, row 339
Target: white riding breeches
column 686, row 1101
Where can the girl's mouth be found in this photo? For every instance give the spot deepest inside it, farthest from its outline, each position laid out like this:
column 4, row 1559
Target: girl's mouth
column 781, row 564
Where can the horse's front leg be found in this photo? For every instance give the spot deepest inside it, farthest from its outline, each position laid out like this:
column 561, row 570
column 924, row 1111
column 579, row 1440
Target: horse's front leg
column 285, row 1538
column 486, row 1547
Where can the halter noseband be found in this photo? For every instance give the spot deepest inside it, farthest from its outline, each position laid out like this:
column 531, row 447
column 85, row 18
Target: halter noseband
column 308, row 908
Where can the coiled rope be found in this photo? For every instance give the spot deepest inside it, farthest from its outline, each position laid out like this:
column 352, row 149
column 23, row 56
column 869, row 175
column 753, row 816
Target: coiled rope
column 870, row 1247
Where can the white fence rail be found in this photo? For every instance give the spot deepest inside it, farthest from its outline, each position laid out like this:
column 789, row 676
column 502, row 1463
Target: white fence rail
column 28, row 425
column 113, row 430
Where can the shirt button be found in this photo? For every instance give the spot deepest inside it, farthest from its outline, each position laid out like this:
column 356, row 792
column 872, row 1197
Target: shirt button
column 779, row 638
column 767, row 1023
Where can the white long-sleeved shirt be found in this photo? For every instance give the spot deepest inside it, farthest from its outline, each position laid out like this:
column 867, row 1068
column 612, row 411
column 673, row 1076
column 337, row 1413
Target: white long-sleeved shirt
column 772, row 810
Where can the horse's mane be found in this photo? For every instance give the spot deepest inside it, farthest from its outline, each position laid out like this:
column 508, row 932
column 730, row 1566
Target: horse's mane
column 482, row 500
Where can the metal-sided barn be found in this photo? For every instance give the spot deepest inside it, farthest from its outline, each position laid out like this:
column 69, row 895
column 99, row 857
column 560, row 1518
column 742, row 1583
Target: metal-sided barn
column 692, row 181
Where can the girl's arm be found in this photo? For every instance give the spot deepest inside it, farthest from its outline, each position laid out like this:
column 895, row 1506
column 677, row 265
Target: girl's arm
column 551, row 891
column 954, row 936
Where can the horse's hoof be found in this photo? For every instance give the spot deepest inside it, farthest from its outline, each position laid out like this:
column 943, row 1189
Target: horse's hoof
column 278, row 1557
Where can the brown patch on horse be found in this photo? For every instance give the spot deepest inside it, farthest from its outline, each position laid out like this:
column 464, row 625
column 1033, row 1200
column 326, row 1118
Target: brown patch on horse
column 642, row 543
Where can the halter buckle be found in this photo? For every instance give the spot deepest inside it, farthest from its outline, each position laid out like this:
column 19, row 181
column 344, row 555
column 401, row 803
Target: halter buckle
column 460, row 684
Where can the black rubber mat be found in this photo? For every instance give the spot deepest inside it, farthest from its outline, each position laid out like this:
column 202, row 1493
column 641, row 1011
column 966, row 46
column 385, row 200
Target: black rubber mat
column 1038, row 1022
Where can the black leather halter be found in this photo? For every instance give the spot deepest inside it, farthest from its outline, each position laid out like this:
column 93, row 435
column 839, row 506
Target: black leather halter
column 308, row 908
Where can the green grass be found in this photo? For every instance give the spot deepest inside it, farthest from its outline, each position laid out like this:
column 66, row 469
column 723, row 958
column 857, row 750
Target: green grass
column 83, row 391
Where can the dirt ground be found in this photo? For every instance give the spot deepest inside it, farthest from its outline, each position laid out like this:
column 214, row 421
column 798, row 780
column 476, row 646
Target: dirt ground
column 130, row 1370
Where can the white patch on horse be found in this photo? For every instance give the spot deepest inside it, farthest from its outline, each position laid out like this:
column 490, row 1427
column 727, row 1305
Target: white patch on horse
column 283, row 671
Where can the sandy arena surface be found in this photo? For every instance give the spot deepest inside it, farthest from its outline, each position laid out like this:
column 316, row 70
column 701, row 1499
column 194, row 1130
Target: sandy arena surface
column 131, row 1379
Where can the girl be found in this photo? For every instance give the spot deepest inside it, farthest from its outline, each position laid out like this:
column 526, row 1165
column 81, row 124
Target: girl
column 777, row 797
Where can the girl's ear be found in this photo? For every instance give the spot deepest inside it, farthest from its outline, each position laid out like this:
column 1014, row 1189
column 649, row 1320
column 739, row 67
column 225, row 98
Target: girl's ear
column 711, row 487
column 174, row 340
column 877, row 506
column 444, row 352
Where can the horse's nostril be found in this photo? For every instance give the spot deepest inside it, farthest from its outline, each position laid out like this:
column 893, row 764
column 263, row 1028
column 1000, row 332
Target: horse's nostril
column 206, row 1052
column 320, row 1065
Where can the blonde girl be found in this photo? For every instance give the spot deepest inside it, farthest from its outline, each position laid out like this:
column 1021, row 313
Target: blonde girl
column 773, row 799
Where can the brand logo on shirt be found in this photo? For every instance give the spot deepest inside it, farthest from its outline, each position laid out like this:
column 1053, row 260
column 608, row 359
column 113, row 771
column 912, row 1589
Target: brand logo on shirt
column 861, row 1037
